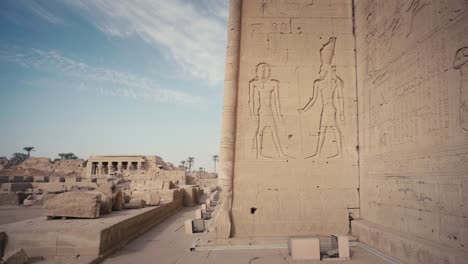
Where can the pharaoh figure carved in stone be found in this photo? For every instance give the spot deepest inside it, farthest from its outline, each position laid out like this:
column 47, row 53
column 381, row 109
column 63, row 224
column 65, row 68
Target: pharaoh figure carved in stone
column 461, row 59
column 263, row 97
column 330, row 89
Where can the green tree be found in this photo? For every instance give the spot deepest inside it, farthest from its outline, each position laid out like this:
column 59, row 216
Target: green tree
column 67, row 156
column 28, row 149
column 215, row 160
column 17, row 158
column 182, row 165
column 190, row 161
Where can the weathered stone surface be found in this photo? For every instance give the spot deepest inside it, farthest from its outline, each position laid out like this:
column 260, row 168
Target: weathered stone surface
column 153, row 198
column 135, row 204
column 91, row 238
column 16, row 257
column 8, row 198
column 198, row 225
column 73, row 204
column 118, row 201
column 190, row 194
column 3, row 240
column 289, row 132
column 406, row 247
column 188, row 225
column 413, row 100
column 16, row 187
column 304, row 248
column 107, row 188
column 341, row 243
column 33, row 199
column 170, row 195
column 106, row 202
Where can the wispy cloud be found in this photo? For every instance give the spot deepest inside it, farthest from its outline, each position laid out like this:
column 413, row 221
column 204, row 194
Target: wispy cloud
column 193, row 32
column 37, row 9
column 106, row 81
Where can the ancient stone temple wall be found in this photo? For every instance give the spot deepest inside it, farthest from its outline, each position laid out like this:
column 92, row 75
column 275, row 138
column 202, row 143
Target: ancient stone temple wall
column 295, row 165
column 412, row 59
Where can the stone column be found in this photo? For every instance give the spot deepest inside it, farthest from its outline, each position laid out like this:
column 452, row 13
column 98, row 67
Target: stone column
column 99, row 168
column 89, row 168
column 129, row 166
column 139, row 166
column 109, row 167
column 119, row 166
column 228, row 129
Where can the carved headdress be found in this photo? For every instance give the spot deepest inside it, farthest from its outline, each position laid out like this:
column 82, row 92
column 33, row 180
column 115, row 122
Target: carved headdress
column 327, row 52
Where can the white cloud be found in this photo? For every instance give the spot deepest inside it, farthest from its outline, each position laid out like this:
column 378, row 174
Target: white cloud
column 193, row 32
column 42, row 12
column 106, row 81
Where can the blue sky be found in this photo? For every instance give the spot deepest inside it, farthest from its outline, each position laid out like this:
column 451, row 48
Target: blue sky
column 98, row 77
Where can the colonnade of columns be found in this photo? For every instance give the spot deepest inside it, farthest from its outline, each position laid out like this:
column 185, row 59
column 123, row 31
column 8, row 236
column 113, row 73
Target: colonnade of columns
column 99, row 167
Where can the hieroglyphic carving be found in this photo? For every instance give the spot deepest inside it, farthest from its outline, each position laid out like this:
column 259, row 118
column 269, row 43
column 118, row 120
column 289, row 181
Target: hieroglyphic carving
column 283, row 7
column 330, row 89
column 414, row 7
column 263, row 96
column 461, row 58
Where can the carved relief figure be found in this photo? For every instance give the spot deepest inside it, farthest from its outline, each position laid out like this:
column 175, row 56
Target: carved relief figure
column 330, row 89
column 263, row 97
column 460, row 63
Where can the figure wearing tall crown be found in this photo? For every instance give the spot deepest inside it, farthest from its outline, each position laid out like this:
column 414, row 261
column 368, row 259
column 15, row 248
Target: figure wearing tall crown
column 329, row 87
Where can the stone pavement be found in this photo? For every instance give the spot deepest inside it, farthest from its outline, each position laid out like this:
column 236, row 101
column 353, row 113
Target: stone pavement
column 168, row 243
column 11, row 214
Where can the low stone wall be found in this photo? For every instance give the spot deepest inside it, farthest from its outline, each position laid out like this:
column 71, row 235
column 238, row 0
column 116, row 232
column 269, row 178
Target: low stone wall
column 407, row 248
column 91, row 238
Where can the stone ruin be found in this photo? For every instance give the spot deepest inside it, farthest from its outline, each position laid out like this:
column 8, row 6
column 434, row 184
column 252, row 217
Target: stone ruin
column 106, row 182
column 348, row 110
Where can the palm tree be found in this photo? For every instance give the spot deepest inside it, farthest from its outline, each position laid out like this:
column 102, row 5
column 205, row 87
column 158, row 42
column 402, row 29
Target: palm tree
column 190, row 161
column 182, row 164
column 28, row 149
column 215, row 159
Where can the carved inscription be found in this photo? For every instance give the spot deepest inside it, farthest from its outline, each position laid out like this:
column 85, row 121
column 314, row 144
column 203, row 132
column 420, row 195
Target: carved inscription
column 265, row 107
column 329, row 87
column 461, row 58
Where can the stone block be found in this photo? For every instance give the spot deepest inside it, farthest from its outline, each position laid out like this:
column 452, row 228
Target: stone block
column 198, row 225
column 189, row 193
column 107, row 188
column 342, row 244
column 206, row 215
column 16, row 186
column 152, row 198
column 135, row 204
column 3, row 240
column 73, row 204
column 188, row 226
column 198, row 214
column 304, row 248
column 170, row 195
column 8, row 198
column 118, row 200
column 106, row 202
column 17, row 179
column 16, row 257
column 33, row 199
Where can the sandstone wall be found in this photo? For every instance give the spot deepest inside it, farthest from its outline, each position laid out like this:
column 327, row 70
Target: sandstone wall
column 413, row 117
column 295, row 166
